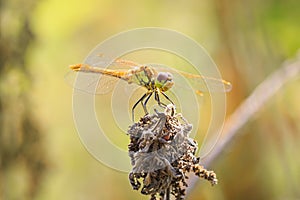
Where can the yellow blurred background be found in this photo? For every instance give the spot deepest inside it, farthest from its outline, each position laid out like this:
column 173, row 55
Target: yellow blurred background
column 41, row 154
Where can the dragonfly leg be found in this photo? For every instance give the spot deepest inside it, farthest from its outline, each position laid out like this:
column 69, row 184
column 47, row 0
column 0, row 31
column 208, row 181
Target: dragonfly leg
column 167, row 97
column 140, row 100
column 146, row 101
column 158, row 100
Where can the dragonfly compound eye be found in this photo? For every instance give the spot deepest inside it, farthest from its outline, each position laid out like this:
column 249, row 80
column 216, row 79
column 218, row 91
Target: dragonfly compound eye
column 164, row 76
column 164, row 81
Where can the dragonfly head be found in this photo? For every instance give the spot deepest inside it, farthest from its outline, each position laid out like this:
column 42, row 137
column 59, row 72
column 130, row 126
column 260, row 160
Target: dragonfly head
column 164, row 81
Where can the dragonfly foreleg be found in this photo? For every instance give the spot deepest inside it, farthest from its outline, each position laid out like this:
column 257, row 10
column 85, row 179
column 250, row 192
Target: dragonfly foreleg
column 167, row 97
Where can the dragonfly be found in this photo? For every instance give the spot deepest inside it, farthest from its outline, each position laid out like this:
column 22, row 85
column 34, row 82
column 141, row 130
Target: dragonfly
column 156, row 82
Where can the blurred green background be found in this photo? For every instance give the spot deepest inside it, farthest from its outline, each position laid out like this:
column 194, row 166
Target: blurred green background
column 41, row 154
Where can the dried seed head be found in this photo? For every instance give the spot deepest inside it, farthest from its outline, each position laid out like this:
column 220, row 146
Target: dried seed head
column 162, row 153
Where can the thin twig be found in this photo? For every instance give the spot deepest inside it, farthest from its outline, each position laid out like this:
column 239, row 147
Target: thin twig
column 167, row 195
column 259, row 97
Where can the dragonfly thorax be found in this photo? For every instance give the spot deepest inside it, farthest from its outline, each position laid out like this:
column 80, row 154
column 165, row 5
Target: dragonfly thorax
column 164, row 81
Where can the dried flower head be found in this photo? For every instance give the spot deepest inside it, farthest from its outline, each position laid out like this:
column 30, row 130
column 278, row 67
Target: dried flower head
column 162, row 154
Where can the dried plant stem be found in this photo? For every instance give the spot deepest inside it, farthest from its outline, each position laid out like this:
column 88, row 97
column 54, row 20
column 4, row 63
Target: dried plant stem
column 167, row 196
column 261, row 94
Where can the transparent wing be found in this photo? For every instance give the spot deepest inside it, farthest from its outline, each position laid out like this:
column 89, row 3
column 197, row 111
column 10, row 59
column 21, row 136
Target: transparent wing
column 199, row 83
column 207, row 84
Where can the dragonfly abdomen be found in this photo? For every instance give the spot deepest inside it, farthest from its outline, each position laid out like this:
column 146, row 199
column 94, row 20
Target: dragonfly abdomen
column 90, row 69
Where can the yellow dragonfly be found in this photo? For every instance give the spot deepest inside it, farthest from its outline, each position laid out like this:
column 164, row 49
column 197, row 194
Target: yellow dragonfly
column 156, row 82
